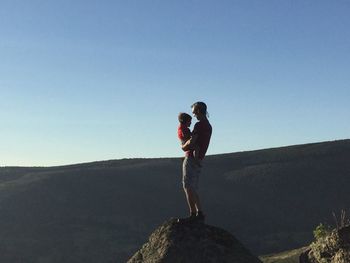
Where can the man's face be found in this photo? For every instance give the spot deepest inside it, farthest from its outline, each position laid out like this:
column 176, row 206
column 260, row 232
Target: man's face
column 195, row 112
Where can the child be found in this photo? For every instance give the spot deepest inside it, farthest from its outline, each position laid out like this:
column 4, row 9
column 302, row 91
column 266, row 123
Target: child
column 184, row 134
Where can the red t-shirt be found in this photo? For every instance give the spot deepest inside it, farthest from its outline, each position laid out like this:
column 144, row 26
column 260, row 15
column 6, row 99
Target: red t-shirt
column 183, row 133
column 203, row 129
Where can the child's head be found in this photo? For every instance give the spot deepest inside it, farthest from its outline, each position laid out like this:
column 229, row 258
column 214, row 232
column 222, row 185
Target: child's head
column 185, row 118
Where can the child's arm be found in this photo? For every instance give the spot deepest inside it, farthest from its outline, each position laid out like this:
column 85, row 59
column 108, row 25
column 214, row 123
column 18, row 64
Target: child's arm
column 190, row 144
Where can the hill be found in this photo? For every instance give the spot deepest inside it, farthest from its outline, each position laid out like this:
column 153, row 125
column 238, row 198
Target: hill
column 269, row 199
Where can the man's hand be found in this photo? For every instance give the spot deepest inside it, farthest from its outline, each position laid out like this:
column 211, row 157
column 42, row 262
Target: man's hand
column 187, row 145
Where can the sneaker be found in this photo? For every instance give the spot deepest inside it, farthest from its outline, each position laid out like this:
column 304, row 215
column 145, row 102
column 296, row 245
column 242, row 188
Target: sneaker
column 185, row 220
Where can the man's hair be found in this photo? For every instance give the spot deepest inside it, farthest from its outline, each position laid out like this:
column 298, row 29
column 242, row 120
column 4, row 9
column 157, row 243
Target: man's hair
column 201, row 106
column 184, row 117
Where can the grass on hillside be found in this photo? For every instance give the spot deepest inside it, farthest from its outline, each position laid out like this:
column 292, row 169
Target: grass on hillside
column 291, row 256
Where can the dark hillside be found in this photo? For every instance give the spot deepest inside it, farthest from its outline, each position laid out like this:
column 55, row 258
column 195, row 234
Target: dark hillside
column 270, row 199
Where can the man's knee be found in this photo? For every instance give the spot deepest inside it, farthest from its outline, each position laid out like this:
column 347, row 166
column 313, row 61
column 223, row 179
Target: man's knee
column 189, row 190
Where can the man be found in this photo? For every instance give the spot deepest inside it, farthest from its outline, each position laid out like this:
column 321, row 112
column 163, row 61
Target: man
column 191, row 168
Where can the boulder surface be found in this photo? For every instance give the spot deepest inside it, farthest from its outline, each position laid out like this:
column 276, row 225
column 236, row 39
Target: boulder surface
column 190, row 243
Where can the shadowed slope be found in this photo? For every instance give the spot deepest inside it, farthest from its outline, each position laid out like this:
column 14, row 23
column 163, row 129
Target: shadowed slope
column 104, row 211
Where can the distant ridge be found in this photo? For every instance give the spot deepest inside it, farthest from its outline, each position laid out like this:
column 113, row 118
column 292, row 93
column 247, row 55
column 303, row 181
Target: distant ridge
column 111, row 161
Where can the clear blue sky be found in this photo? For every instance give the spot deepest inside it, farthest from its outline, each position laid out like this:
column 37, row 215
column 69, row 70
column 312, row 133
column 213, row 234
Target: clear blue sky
column 89, row 80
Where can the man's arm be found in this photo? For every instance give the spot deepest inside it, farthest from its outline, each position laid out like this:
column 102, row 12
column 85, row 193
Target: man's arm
column 189, row 144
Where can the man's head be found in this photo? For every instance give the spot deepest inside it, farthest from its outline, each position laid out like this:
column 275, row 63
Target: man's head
column 199, row 110
column 185, row 118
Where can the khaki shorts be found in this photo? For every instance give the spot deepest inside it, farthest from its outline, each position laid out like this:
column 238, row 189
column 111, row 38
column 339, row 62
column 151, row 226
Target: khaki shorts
column 190, row 173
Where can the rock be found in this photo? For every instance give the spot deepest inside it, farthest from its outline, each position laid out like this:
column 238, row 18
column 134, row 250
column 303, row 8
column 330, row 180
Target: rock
column 344, row 236
column 334, row 248
column 192, row 243
column 304, row 256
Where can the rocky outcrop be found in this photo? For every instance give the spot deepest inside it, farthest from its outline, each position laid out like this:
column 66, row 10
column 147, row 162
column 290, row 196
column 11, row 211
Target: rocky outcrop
column 334, row 248
column 191, row 243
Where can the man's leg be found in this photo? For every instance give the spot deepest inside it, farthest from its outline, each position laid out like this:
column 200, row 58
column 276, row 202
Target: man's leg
column 190, row 184
column 196, row 214
column 193, row 200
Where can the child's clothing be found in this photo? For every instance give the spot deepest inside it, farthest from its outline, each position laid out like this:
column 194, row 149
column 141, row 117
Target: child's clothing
column 183, row 133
